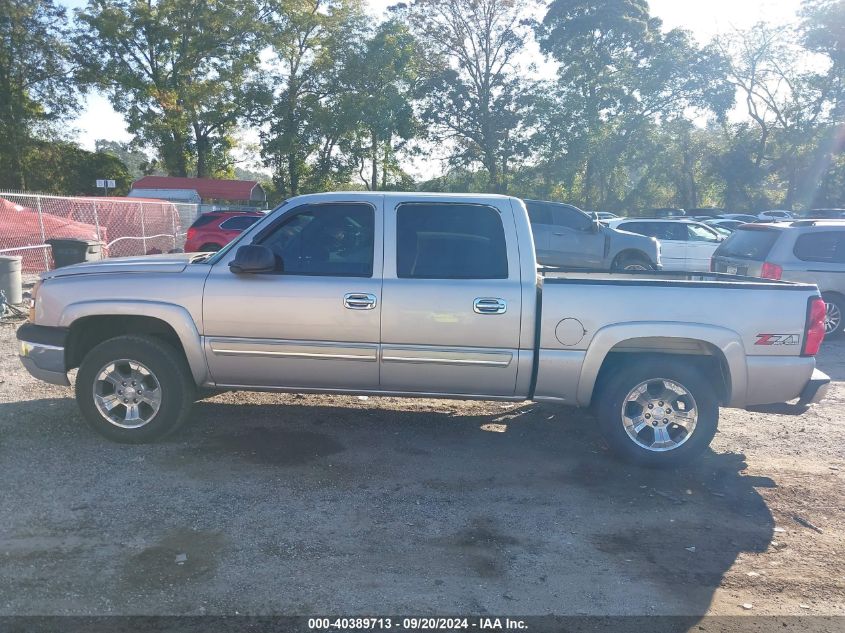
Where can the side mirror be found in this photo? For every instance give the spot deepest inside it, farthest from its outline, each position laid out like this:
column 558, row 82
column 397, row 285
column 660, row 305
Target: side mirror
column 253, row 258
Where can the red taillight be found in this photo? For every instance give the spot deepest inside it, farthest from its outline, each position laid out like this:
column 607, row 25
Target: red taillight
column 192, row 232
column 814, row 330
column 771, row 271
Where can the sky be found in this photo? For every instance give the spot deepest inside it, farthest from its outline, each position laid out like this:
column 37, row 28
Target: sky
column 705, row 18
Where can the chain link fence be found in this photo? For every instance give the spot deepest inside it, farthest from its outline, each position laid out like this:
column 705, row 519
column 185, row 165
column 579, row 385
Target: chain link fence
column 125, row 226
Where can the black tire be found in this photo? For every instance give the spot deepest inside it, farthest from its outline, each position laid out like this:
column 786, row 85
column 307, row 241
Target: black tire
column 616, row 386
column 838, row 303
column 170, row 371
column 210, row 248
column 632, row 261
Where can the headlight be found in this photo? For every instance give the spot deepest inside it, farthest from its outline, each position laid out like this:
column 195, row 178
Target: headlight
column 32, row 296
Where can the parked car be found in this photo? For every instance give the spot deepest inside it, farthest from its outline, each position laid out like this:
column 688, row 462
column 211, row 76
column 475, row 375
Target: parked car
column 725, row 224
column 684, row 244
column 566, row 236
column 408, row 294
column 742, row 217
column 775, row 215
column 706, row 212
column 825, row 214
column 213, row 230
column 809, row 251
column 664, row 212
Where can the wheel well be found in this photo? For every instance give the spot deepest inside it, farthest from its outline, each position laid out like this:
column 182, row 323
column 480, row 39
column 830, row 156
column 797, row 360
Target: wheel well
column 838, row 295
column 708, row 358
column 631, row 252
column 88, row 332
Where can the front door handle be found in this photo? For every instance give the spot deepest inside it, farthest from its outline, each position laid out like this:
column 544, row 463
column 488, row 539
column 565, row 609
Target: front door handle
column 359, row 301
column 489, row 305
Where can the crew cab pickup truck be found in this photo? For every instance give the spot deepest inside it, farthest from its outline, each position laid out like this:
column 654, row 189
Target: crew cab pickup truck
column 430, row 295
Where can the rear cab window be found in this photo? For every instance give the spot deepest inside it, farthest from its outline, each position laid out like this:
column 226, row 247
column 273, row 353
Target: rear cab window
column 450, row 241
column 749, row 243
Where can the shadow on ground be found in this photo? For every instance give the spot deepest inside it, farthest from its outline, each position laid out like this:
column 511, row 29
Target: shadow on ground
column 356, row 507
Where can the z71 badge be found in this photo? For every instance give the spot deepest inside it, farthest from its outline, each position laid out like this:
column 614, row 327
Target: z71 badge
column 777, row 339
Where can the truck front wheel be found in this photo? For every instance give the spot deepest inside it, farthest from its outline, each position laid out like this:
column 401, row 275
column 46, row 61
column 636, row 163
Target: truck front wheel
column 632, row 261
column 134, row 389
column 657, row 412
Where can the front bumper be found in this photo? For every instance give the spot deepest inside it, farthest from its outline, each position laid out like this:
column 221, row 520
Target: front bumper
column 42, row 352
column 815, row 389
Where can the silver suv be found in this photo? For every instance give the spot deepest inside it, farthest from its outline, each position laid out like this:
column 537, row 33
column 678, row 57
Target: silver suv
column 567, row 237
column 803, row 250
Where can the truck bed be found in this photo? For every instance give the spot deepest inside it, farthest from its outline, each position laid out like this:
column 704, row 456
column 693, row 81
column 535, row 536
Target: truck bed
column 588, row 314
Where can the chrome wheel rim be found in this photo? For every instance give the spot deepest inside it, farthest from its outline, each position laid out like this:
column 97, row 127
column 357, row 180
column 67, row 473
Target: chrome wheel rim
column 127, row 393
column 659, row 415
column 832, row 317
column 636, row 267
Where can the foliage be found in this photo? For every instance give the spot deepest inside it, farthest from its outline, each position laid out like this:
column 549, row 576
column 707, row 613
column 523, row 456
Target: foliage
column 37, row 86
column 65, row 168
column 178, row 70
column 473, row 95
column 634, row 116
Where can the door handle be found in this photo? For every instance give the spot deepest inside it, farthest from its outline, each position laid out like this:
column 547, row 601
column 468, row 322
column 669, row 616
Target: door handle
column 359, row 301
column 560, row 234
column 489, row 305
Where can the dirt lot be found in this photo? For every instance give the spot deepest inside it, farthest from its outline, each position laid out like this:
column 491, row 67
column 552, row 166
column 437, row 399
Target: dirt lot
column 311, row 504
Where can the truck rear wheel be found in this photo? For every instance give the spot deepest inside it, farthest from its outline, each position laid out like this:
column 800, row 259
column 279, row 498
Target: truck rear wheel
column 657, row 412
column 134, row 389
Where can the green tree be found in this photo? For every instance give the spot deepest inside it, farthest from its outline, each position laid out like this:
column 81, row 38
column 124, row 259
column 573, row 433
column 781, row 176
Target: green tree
column 65, row 168
column 178, row 70
column 619, row 76
column 37, row 86
column 137, row 162
column 473, row 95
column 311, row 41
column 380, row 79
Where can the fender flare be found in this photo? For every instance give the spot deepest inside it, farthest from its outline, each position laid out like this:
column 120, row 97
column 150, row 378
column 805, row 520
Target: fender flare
column 175, row 316
column 724, row 339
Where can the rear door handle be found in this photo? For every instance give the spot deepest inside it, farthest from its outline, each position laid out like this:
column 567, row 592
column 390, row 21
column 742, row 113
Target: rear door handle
column 359, row 301
column 489, row 305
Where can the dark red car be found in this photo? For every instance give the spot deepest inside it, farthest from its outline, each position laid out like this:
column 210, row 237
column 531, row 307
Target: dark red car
column 213, row 230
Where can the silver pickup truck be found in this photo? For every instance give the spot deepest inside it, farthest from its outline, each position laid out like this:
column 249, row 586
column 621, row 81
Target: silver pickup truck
column 421, row 295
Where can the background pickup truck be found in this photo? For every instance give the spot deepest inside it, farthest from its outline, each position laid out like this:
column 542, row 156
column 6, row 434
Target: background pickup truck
column 421, row 295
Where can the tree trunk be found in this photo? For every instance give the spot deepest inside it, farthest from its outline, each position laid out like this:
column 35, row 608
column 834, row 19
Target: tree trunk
column 202, row 154
column 374, row 157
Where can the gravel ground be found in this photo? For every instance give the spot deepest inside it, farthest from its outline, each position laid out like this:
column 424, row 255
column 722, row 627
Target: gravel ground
column 319, row 504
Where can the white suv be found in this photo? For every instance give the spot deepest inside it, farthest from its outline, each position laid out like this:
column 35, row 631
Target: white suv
column 684, row 244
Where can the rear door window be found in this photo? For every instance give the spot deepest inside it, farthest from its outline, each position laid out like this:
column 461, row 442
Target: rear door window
column 753, row 244
column 571, row 218
column 821, row 246
column 450, row 241
column 539, row 213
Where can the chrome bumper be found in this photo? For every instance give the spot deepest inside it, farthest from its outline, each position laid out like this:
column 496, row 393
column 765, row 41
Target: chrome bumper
column 44, row 360
column 815, row 389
